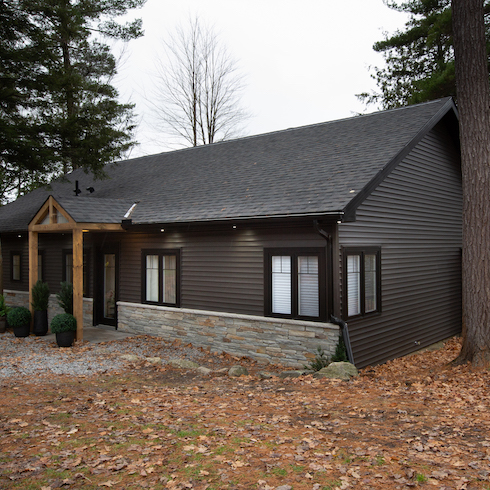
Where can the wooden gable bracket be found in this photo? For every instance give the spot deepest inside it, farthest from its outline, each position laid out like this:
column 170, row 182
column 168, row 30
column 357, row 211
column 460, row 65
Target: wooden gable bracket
column 52, row 218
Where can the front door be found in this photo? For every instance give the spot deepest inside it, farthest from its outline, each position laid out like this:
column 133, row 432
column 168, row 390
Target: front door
column 107, row 287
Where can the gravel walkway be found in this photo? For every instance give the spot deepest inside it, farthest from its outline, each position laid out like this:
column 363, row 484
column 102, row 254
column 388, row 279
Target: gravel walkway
column 41, row 356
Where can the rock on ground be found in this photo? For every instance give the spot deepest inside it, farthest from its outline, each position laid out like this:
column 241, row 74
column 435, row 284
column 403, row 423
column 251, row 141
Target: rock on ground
column 338, row 370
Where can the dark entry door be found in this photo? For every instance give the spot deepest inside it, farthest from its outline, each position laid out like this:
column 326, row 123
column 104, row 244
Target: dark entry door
column 107, row 287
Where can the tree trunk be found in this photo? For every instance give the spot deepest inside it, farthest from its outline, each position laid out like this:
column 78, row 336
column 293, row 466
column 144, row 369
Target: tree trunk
column 474, row 111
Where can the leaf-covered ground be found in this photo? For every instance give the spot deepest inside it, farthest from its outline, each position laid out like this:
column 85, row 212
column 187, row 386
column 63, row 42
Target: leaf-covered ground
column 412, row 422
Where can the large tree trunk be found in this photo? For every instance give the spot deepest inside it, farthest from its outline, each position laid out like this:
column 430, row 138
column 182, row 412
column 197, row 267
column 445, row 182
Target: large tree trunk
column 474, row 111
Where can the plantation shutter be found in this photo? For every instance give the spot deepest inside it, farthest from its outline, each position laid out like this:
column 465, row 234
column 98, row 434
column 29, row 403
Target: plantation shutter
column 152, row 278
column 353, row 285
column 169, row 263
column 281, row 284
column 308, row 301
column 369, row 283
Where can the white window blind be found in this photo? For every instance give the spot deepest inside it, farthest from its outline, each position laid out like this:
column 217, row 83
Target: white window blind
column 308, row 304
column 152, row 278
column 369, row 282
column 169, row 263
column 353, row 285
column 281, row 284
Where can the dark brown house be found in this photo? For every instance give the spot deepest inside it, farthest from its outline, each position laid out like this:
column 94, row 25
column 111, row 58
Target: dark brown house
column 251, row 246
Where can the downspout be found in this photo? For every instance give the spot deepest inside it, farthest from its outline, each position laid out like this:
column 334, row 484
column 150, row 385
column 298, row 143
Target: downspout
column 343, row 325
column 345, row 334
column 328, row 261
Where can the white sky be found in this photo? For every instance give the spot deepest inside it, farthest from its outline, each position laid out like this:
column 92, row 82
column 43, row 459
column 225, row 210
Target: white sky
column 303, row 60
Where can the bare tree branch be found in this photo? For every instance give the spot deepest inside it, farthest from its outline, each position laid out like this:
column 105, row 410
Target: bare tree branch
column 197, row 98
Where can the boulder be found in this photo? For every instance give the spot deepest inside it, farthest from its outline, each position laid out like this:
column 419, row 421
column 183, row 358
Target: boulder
column 204, row 370
column 237, row 370
column 153, row 360
column 338, row 370
column 183, row 364
column 130, row 358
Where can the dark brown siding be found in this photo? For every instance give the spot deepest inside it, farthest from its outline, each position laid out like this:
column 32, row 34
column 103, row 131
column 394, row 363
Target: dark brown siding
column 221, row 270
column 415, row 217
column 52, row 246
column 15, row 243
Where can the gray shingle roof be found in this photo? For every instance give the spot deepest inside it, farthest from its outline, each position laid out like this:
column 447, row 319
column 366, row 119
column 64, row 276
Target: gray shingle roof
column 316, row 169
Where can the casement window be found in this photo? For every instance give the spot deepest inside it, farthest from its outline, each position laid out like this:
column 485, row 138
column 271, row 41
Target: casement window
column 15, row 266
column 161, row 277
column 362, row 289
column 295, row 283
column 67, row 274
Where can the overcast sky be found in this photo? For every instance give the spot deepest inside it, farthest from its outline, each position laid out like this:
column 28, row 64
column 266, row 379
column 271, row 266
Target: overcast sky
column 303, row 61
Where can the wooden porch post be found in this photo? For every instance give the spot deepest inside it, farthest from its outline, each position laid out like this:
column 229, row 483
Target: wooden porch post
column 33, row 264
column 78, row 280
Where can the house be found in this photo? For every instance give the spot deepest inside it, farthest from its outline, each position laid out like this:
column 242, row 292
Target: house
column 251, row 246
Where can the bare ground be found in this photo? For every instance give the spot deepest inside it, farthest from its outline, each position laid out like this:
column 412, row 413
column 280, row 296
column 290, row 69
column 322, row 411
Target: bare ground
column 415, row 421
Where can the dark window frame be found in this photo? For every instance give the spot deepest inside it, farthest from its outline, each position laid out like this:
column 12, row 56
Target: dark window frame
column 294, row 253
column 13, row 254
column 362, row 252
column 86, row 269
column 161, row 252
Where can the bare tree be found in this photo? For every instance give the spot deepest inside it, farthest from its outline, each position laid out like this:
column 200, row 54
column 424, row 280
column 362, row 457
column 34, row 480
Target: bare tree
column 198, row 94
column 474, row 109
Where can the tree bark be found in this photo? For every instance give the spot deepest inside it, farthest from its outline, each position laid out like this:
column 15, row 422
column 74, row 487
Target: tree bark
column 474, row 111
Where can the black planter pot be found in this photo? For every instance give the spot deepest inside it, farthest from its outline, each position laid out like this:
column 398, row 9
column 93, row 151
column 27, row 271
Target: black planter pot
column 40, row 323
column 65, row 339
column 22, row 331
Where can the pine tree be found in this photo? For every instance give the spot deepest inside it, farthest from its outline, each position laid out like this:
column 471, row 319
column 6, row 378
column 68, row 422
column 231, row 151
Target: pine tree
column 474, row 109
column 419, row 61
column 59, row 110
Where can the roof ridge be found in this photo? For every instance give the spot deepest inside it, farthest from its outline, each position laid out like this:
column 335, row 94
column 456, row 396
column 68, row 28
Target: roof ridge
column 280, row 131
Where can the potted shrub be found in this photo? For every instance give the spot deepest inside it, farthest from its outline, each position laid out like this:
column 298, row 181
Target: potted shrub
column 4, row 309
column 20, row 320
column 64, row 326
column 65, row 297
column 40, row 301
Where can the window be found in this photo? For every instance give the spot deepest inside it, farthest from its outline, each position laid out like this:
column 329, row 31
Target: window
column 363, row 280
column 295, row 283
column 15, row 266
column 161, row 277
column 68, row 269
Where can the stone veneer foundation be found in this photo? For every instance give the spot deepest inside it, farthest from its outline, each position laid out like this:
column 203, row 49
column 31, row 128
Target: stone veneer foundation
column 21, row 298
column 278, row 341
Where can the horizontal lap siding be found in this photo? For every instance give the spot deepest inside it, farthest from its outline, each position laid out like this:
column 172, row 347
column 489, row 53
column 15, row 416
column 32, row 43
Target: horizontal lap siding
column 220, row 271
column 415, row 216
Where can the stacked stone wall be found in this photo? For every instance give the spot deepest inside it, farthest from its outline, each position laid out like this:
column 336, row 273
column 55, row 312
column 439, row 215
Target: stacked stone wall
column 279, row 341
column 21, row 298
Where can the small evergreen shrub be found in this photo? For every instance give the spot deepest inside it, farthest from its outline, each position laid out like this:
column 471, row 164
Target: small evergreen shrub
column 65, row 297
column 4, row 309
column 40, row 296
column 19, row 317
column 64, row 322
column 320, row 361
column 340, row 351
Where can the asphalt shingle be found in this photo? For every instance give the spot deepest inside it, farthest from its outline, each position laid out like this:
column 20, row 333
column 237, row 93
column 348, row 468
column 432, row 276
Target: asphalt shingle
column 315, row 169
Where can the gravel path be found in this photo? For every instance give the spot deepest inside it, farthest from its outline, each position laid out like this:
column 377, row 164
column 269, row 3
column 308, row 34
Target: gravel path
column 41, row 356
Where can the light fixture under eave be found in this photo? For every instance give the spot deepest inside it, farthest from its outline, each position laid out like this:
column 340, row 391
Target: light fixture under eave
column 162, row 230
column 85, row 231
column 234, row 227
